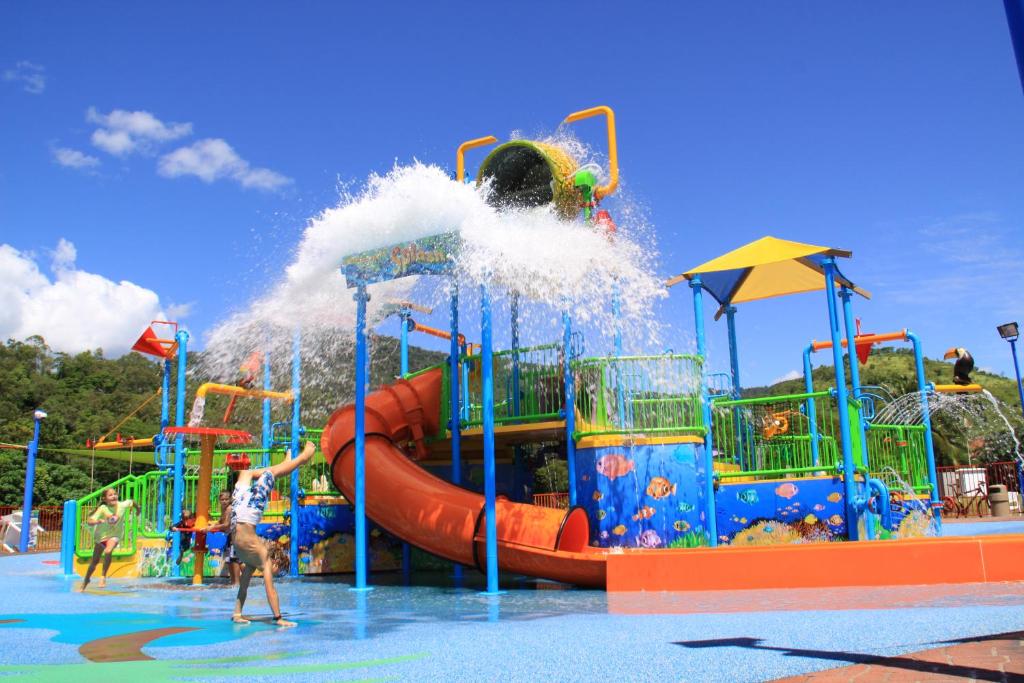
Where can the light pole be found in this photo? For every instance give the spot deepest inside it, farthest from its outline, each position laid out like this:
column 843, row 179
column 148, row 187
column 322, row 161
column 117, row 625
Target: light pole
column 30, row 480
column 1010, row 332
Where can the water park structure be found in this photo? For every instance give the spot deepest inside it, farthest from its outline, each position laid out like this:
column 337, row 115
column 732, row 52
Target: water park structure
column 666, row 461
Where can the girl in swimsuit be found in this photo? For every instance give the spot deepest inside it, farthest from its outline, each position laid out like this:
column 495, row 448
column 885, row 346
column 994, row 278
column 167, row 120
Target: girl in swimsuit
column 250, row 493
column 108, row 520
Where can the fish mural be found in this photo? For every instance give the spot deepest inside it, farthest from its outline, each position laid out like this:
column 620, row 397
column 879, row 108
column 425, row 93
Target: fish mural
column 646, row 512
column 748, row 496
column 601, row 514
column 787, row 490
column 685, row 507
column 834, row 497
column 619, row 530
column 649, row 539
column 810, row 519
column 660, row 487
column 681, row 525
column 615, row 465
column 818, row 508
column 835, row 520
column 598, row 495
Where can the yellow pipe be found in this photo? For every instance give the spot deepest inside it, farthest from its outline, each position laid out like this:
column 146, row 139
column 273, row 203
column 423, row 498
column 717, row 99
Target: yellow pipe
column 460, row 154
column 231, row 390
column 613, row 149
column 958, row 388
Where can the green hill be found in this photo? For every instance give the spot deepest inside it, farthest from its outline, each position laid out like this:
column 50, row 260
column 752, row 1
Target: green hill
column 953, row 431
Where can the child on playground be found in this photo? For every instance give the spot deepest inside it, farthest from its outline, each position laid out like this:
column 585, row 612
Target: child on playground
column 250, row 493
column 231, row 561
column 108, row 522
column 184, row 526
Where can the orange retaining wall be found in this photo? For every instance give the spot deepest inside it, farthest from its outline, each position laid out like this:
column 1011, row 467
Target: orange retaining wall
column 869, row 563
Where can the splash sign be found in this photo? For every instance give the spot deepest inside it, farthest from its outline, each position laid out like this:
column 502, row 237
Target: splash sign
column 434, row 255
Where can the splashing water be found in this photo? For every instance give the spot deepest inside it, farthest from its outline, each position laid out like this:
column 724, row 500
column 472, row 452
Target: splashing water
column 918, row 520
column 552, row 264
column 967, row 411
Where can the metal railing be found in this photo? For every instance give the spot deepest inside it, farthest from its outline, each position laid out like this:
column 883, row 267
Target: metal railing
column 772, row 436
column 649, row 395
column 899, row 449
column 528, row 386
column 558, row 501
column 47, row 536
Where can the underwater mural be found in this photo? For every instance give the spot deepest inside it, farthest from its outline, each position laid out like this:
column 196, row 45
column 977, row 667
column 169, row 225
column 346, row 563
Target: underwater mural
column 781, row 511
column 643, row 496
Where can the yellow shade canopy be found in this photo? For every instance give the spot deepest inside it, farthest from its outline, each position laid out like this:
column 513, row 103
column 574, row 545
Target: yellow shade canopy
column 766, row 268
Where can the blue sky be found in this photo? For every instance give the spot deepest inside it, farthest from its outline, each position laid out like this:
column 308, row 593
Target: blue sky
column 895, row 130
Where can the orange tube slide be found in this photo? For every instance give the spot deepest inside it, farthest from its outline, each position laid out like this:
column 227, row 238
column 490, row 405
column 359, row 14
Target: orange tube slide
column 439, row 517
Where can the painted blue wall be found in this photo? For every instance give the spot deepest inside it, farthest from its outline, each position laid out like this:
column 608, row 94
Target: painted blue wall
column 643, row 496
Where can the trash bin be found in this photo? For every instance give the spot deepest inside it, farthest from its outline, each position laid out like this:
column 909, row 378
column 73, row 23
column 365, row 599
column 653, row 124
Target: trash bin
column 998, row 500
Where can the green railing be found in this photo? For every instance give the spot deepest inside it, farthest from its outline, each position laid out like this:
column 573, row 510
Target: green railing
column 528, row 387
column 778, row 435
column 899, row 448
column 87, row 505
column 650, row 395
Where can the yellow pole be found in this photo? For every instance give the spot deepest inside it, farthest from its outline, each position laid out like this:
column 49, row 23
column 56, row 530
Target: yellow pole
column 232, row 390
column 460, row 153
column 207, row 441
column 613, row 149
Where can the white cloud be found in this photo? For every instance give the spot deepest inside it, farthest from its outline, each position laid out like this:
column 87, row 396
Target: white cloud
column 31, row 76
column 74, row 311
column 72, row 158
column 122, row 132
column 214, row 159
column 179, row 311
column 792, row 374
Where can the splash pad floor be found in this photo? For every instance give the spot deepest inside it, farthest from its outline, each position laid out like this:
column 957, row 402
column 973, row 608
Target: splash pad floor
column 158, row 630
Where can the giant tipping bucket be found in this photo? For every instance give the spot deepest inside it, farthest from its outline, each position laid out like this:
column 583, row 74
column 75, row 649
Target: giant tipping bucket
column 527, row 173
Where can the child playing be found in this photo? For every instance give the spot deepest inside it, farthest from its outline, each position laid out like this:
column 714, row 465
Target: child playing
column 108, row 520
column 224, row 526
column 184, row 526
column 250, row 493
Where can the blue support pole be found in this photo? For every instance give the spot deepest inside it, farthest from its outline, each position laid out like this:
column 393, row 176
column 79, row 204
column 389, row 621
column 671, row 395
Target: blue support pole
column 268, row 426
column 851, row 354
column 403, row 354
column 711, row 519
column 734, row 366
column 490, row 493
column 926, row 421
column 361, row 298
column 70, row 537
column 454, row 377
column 403, row 336
column 812, row 413
column 1020, row 393
column 161, row 453
column 30, row 481
column 293, row 507
column 517, row 452
column 570, row 405
column 850, row 489
column 178, row 488
column 1015, row 21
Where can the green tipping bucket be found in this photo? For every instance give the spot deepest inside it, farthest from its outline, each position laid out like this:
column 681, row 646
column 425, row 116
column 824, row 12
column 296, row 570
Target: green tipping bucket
column 526, row 173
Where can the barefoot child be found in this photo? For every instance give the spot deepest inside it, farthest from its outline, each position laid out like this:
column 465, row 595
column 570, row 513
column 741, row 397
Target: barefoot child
column 108, row 520
column 184, row 527
column 250, row 493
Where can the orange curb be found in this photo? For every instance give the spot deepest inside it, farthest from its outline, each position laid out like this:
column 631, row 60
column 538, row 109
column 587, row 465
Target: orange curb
column 868, row 563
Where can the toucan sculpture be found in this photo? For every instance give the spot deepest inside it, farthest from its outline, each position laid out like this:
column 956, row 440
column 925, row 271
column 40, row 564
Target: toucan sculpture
column 963, row 366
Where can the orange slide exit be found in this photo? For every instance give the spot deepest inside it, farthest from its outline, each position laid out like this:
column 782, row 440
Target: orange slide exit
column 442, row 518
